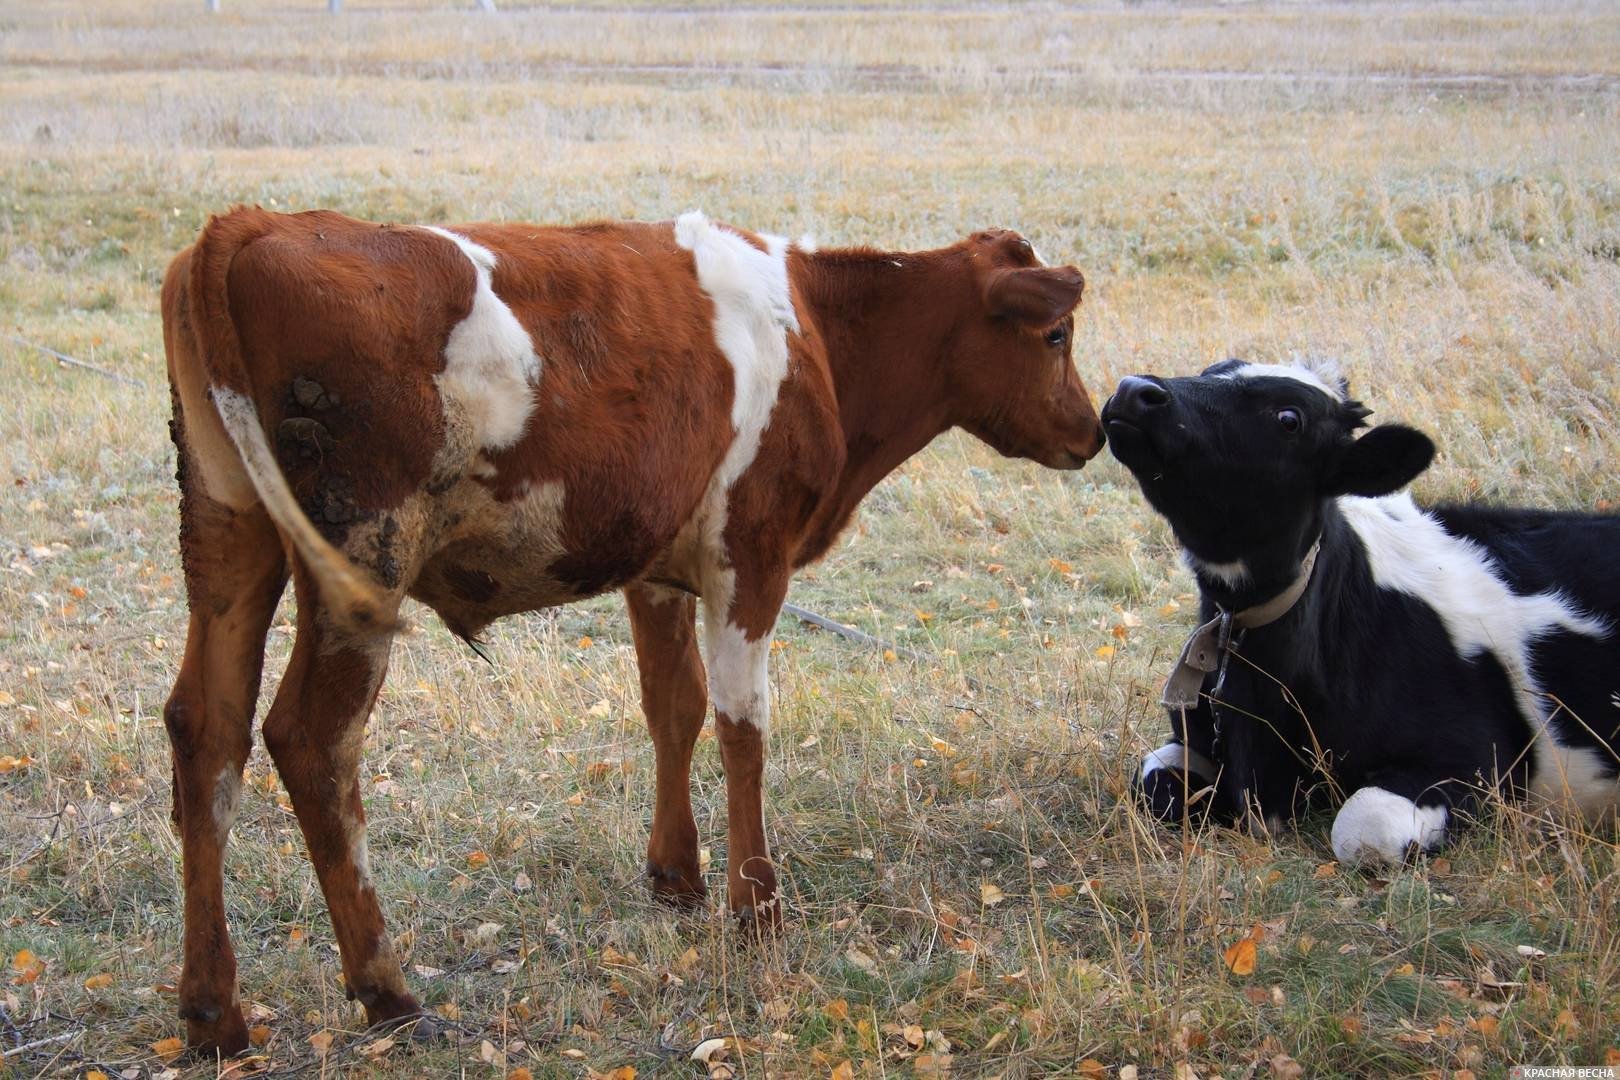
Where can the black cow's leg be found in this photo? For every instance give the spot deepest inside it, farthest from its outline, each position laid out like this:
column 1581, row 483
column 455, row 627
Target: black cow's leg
column 1394, row 813
column 1178, row 780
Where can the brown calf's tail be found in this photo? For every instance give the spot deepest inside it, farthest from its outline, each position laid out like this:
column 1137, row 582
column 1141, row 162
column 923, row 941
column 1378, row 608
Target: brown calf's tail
column 354, row 600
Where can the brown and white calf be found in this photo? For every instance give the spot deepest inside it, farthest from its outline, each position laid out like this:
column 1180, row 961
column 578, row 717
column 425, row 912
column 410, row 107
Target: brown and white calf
column 499, row 418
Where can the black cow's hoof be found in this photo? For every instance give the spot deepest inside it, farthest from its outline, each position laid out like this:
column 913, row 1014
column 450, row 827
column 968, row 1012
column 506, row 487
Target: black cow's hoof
column 1174, row 794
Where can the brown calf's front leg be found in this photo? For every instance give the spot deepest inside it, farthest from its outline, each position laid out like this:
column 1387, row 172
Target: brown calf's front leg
column 737, row 638
column 314, row 731
column 675, row 699
column 235, row 573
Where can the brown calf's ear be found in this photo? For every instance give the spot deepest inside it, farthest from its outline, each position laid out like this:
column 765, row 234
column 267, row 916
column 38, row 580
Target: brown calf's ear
column 1037, row 296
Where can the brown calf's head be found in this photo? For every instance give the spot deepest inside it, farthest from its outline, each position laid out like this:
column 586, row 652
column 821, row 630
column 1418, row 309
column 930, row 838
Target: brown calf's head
column 1011, row 371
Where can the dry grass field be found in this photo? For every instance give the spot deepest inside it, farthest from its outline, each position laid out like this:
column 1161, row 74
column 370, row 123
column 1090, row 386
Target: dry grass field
column 1431, row 195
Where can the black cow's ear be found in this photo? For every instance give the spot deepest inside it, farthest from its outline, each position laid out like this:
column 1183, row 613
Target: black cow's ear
column 1384, row 460
column 1223, row 367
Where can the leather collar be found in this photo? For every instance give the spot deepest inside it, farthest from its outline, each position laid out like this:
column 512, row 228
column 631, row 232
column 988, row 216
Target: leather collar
column 1210, row 645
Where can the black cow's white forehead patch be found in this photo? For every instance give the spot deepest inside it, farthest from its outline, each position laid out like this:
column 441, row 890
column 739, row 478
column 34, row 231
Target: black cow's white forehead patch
column 1320, row 375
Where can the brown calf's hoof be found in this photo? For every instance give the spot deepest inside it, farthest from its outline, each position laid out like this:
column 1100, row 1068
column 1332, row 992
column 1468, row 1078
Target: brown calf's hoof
column 418, row 1027
column 679, row 887
column 212, row 1031
column 761, row 919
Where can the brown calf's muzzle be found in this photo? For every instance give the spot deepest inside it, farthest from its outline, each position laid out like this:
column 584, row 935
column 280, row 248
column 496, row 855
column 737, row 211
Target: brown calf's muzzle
column 1081, row 432
column 1031, row 397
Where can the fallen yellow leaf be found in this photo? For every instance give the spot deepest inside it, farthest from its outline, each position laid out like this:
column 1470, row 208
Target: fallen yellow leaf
column 28, row 966
column 98, row 982
column 378, row 1048
column 168, row 1049
column 990, row 895
column 1240, row 958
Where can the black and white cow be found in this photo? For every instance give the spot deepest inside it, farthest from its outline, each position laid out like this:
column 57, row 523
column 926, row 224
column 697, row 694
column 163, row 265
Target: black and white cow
column 1353, row 643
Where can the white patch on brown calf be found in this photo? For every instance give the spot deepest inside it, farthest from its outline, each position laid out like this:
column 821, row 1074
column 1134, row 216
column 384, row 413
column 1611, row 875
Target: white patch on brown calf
column 207, row 444
column 659, row 595
column 753, row 314
column 360, row 856
column 490, row 366
column 739, row 670
column 513, row 542
column 227, row 798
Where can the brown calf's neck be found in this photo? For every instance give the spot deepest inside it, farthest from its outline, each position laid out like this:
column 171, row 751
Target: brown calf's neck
column 879, row 344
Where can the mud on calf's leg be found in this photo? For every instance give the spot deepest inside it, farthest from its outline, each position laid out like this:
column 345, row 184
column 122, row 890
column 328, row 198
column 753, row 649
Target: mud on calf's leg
column 674, row 698
column 1176, row 782
column 235, row 572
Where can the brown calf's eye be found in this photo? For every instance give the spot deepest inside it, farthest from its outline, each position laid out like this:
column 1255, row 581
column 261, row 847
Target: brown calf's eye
column 1290, row 420
column 1056, row 336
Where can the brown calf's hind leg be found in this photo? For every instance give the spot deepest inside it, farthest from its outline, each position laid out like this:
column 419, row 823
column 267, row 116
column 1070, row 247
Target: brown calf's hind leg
column 314, row 731
column 235, row 573
column 675, row 699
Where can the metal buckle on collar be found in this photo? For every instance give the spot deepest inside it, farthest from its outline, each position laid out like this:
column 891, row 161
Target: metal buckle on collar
column 1204, row 652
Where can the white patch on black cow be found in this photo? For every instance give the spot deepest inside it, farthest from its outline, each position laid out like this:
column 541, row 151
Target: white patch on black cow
column 1316, row 372
column 1410, row 552
column 1375, row 824
column 1233, row 575
column 1178, row 756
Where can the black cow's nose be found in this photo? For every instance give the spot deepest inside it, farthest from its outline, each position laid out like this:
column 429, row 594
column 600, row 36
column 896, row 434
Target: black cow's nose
column 1137, row 396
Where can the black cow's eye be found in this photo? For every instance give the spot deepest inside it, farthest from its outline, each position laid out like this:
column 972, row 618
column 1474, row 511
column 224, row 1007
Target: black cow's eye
column 1290, row 420
column 1056, row 336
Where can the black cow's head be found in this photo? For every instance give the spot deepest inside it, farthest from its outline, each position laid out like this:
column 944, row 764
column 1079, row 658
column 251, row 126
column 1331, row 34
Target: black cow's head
column 1241, row 458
